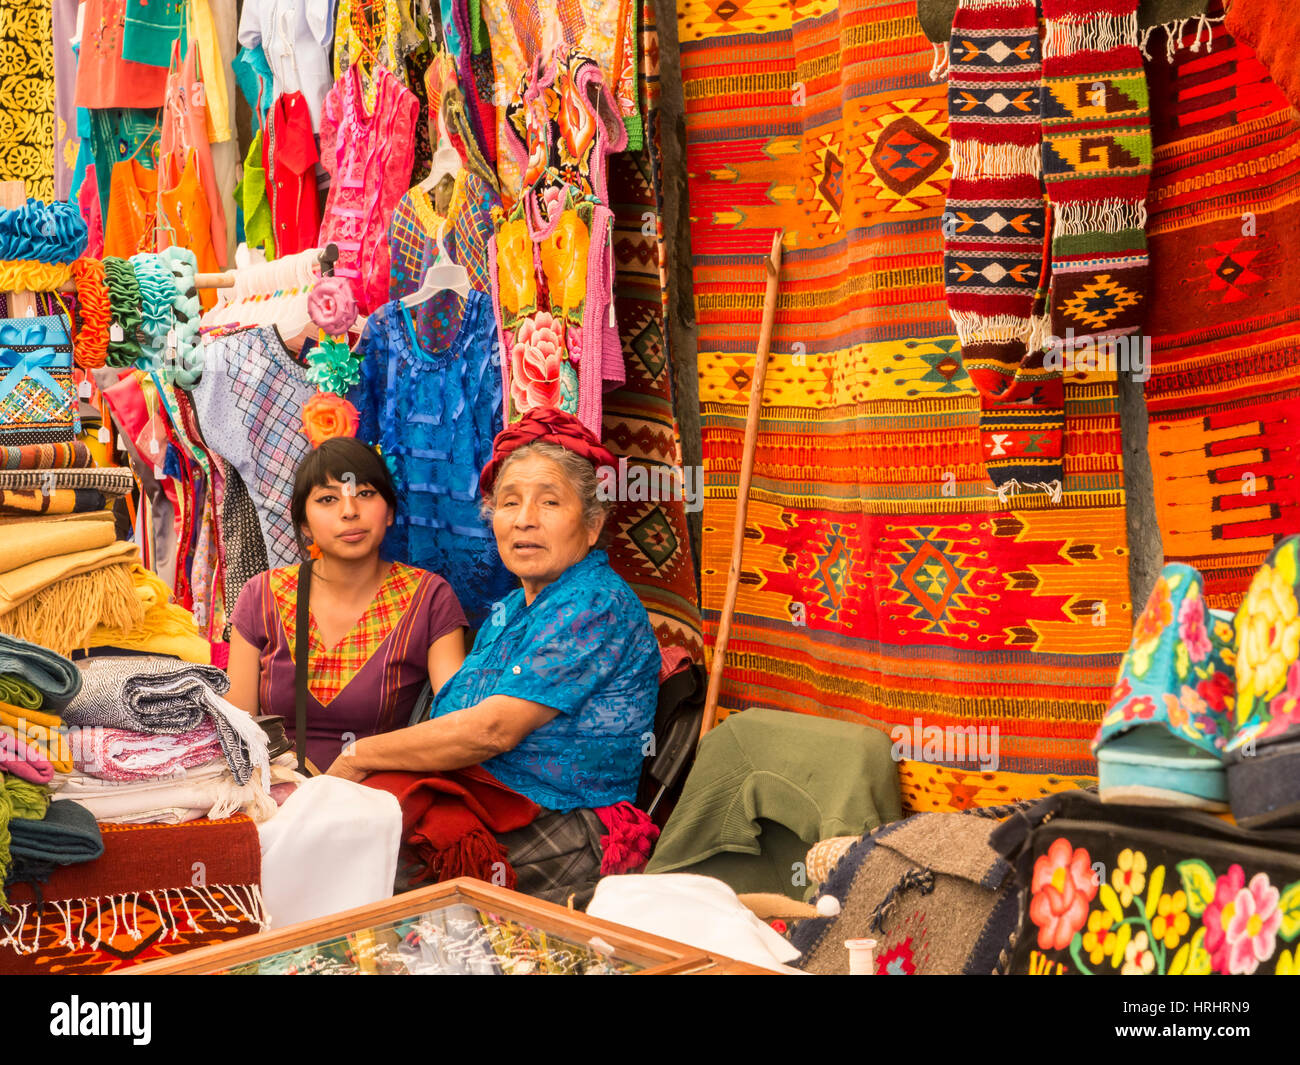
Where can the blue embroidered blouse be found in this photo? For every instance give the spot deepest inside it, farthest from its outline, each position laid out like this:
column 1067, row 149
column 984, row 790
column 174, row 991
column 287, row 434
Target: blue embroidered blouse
column 586, row 648
column 434, row 414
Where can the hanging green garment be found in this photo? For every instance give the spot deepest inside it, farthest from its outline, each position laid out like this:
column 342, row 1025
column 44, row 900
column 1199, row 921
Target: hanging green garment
column 251, row 194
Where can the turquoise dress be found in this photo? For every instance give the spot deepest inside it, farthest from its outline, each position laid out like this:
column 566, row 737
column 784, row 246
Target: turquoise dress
column 584, row 647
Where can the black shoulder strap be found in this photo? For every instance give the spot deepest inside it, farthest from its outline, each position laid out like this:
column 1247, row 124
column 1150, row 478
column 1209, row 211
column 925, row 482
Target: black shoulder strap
column 301, row 652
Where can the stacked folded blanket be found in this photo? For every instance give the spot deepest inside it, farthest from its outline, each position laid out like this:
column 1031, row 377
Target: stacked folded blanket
column 209, row 791
column 156, row 695
column 155, row 741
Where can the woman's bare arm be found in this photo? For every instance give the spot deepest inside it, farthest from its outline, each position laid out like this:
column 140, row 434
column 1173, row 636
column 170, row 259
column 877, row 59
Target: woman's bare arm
column 445, row 657
column 244, row 670
column 454, row 741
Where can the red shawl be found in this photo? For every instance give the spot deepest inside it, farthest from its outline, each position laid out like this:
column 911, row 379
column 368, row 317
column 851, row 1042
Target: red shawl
column 448, row 820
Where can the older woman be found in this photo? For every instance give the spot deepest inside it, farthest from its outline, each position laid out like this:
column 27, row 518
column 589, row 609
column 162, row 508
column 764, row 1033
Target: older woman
column 558, row 694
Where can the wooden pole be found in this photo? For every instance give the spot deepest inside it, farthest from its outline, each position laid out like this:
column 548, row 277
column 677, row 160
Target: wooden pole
column 773, row 264
column 226, row 280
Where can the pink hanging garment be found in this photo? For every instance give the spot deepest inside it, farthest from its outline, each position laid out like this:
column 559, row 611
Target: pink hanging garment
column 185, row 129
column 369, row 157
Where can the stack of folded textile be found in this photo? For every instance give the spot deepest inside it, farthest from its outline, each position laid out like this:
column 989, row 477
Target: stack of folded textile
column 31, row 491
column 156, row 742
column 34, row 684
column 67, row 582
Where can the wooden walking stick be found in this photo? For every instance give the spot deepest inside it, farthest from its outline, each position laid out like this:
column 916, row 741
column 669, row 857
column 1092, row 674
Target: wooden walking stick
column 773, row 264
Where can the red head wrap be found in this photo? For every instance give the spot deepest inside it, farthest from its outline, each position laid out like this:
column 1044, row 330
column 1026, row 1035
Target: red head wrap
column 550, row 426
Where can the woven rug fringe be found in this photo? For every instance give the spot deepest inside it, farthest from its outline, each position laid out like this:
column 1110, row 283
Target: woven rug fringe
column 971, row 159
column 974, row 328
column 1174, row 35
column 1078, row 217
column 1081, row 33
column 125, row 911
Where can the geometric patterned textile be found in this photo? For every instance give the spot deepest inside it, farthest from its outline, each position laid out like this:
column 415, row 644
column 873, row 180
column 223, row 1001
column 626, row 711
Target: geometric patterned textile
column 994, row 224
column 333, row 668
column 650, row 545
column 882, row 582
column 156, row 891
column 1096, row 167
column 1224, row 312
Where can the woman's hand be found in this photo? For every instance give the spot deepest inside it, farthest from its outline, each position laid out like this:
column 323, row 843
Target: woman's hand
column 345, row 766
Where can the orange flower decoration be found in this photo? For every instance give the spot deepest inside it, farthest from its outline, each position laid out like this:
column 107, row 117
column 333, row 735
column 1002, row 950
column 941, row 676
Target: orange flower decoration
column 564, row 259
column 515, row 268
column 326, row 415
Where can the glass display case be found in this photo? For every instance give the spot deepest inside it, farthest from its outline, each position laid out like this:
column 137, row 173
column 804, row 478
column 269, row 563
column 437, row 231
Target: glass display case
column 463, row 927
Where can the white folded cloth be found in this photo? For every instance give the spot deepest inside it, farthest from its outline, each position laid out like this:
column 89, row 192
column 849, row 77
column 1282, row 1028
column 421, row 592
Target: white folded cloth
column 208, row 790
column 700, row 911
column 331, row 846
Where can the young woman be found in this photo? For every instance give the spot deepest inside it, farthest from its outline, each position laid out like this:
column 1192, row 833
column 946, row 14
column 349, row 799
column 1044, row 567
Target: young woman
column 379, row 629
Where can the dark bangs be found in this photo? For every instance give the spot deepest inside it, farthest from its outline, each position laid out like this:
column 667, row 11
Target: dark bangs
column 340, row 459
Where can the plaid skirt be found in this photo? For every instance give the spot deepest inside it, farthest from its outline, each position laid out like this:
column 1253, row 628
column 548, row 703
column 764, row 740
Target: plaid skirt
column 556, row 857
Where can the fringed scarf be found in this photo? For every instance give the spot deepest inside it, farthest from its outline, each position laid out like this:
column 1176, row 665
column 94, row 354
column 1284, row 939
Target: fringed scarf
column 996, row 228
column 1097, row 165
column 1075, row 125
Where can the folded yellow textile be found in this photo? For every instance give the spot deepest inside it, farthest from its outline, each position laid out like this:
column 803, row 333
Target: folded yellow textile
column 167, row 629
column 45, row 519
column 41, row 731
column 22, row 545
column 19, row 585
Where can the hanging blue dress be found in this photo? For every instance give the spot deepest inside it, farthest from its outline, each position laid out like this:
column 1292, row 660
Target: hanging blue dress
column 434, row 415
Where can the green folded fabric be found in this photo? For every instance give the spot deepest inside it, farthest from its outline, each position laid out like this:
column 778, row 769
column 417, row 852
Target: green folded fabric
column 54, row 676
column 68, row 834
column 766, row 786
column 20, row 800
column 17, row 692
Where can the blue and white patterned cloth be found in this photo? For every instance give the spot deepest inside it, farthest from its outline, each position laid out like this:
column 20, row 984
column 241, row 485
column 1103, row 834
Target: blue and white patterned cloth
column 434, row 415
column 249, row 405
column 584, row 647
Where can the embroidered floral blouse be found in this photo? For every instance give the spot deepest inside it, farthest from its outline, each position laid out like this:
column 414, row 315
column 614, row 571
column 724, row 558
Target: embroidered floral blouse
column 584, row 647
column 369, row 681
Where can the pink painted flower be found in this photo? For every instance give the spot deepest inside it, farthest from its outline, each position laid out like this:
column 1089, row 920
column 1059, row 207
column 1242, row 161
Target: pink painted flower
column 1284, row 708
column 1191, row 627
column 1063, row 885
column 1241, row 923
column 535, row 360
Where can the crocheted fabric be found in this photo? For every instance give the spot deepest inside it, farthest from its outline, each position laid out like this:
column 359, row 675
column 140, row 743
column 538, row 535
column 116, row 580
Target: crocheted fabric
column 995, row 225
column 249, row 403
column 434, row 414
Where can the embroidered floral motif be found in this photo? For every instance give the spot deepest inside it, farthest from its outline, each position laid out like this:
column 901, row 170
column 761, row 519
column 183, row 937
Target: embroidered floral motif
column 1209, row 923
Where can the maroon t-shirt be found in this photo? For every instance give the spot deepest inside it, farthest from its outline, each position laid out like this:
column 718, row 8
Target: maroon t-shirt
column 369, row 681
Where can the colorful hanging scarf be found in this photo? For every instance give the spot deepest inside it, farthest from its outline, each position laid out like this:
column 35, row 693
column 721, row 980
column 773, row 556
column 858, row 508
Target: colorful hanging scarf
column 1097, row 165
column 1092, row 135
column 995, row 227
